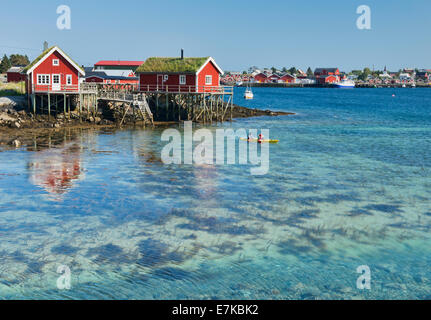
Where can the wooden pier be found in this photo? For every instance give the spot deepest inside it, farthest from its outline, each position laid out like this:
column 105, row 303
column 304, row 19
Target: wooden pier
column 206, row 104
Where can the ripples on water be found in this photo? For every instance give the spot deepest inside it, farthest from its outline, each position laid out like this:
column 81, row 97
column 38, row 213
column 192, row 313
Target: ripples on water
column 349, row 184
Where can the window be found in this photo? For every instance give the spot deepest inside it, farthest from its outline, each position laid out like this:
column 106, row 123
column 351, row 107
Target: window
column 68, row 79
column 43, row 79
column 55, row 62
column 208, row 80
column 182, row 79
column 165, row 77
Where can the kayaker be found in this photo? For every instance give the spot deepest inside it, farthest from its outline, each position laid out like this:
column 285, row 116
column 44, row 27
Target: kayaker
column 250, row 137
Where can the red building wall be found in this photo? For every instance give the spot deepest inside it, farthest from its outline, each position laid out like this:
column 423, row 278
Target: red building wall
column 288, row 79
column 156, row 80
column 260, row 78
column 63, row 69
column 208, row 70
column 15, row 77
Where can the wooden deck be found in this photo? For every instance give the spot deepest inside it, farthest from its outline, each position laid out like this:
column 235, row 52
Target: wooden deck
column 195, row 103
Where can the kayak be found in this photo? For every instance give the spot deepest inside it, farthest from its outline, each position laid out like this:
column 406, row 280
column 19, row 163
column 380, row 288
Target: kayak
column 264, row 140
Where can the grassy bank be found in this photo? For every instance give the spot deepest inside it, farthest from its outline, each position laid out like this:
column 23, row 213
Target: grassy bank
column 12, row 89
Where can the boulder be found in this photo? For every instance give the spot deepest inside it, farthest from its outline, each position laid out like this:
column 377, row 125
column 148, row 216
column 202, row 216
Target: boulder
column 16, row 143
column 5, row 117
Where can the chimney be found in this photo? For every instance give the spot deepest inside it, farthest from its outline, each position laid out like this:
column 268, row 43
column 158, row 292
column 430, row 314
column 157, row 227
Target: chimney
column 182, row 54
column 45, row 46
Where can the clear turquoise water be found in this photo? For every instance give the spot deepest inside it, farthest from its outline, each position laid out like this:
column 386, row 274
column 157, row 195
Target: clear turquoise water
column 349, row 185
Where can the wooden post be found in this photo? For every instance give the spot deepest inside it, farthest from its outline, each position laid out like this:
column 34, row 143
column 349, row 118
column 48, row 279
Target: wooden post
column 49, row 106
column 64, row 104
column 231, row 106
column 157, row 104
column 68, row 107
column 179, row 112
column 80, row 107
column 34, row 104
column 56, row 105
column 167, row 106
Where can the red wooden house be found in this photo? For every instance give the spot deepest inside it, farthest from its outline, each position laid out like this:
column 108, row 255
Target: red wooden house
column 261, row 78
column 53, row 71
column 179, row 75
column 273, row 78
column 327, row 75
column 288, row 78
column 15, row 74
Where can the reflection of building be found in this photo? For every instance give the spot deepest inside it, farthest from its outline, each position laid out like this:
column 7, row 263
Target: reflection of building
column 56, row 169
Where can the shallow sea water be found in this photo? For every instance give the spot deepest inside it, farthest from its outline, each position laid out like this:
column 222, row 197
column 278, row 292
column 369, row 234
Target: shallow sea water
column 348, row 185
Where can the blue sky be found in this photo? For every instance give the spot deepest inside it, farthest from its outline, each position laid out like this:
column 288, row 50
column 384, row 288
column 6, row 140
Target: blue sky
column 236, row 33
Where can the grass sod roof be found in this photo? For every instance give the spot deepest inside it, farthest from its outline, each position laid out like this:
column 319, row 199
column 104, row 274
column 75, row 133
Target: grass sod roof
column 186, row 65
column 43, row 55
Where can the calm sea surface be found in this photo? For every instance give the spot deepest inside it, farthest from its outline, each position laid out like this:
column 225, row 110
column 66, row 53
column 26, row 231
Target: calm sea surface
column 349, row 184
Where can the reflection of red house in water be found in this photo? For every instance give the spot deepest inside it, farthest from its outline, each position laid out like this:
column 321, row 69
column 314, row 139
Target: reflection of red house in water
column 55, row 170
column 327, row 75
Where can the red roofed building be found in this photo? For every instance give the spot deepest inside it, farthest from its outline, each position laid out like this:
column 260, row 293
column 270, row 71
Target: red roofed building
column 53, row 71
column 288, row 78
column 273, row 78
column 180, row 74
column 15, row 74
column 327, row 75
column 260, row 78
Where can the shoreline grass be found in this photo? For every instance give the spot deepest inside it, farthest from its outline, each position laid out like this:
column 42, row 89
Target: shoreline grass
column 12, row 89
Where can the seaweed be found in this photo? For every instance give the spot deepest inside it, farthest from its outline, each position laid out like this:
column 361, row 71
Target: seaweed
column 172, row 274
column 64, row 249
column 386, row 208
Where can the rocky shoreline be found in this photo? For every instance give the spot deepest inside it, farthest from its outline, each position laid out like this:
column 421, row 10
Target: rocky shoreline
column 18, row 127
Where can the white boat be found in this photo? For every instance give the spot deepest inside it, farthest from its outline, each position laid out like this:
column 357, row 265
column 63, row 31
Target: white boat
column 239, row 83
column 345, row 83
column 248, row 94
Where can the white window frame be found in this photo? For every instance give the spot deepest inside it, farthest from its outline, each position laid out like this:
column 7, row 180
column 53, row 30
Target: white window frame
column 43, row 79
column 68, row 77
column 55, row 62
column 183, row 79
column 165, row 77
column 210, row 78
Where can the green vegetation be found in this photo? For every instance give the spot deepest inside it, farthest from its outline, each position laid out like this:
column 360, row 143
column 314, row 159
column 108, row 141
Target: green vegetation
column 19, row 60
column 156, row 64
column 5, row 64
column 42, row 55
column 12, row 89
column 310, row 72
column 37, row 59
column 293, row 71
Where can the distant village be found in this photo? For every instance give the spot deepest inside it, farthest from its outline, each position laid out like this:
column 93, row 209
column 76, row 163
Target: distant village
column 328, row 76
column 123, row 72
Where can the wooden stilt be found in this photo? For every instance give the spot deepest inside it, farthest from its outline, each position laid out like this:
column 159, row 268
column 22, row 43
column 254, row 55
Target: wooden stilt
column 49, row 106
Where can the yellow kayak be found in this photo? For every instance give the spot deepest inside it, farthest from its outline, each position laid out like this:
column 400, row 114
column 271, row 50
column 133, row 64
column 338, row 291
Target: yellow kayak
column 264, row 140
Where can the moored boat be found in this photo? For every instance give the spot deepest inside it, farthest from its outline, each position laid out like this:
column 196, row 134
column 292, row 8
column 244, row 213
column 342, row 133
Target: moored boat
column 346, row 83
